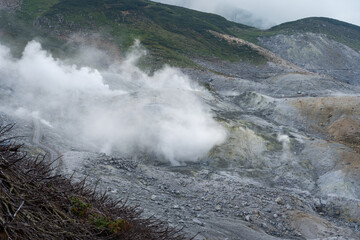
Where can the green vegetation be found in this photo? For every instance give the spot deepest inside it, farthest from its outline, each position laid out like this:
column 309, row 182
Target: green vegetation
column 85, row 212
column 209, row 87
column 16, row 32
column 108, row 224
column 35, row 8
column 79, row 208
column 36, row 204
column 173, row 35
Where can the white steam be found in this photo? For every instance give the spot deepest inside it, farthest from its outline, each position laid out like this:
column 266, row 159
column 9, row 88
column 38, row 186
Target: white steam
column 120, row 109
column 285, row 140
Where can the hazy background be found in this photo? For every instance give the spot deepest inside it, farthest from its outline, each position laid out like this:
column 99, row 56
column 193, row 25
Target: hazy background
column 120, row 108
column 267, row 13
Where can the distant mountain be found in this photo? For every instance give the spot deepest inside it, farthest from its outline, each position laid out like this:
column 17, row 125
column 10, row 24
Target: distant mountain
column 229, row 11
column 342, row 32
column 173, row 35
column 319, row 45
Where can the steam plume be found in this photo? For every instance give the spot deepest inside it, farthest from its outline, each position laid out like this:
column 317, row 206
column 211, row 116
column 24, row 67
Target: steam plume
column 121, row 109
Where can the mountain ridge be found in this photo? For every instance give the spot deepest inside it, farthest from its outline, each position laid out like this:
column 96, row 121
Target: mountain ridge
column 340, row 31
column 174, row 35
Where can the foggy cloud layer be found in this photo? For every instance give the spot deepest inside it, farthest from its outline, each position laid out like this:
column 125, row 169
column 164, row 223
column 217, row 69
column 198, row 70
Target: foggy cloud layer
column 122, row 108
column 265, row 14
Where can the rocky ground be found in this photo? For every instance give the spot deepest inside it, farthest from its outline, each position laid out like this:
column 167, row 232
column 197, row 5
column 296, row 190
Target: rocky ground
column 289, row 169
column 217, row 204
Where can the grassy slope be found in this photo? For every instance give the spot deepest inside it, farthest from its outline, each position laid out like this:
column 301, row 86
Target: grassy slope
column 16, row 31
column 173, row 35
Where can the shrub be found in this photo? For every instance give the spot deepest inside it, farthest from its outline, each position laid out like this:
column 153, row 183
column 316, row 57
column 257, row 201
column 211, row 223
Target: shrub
column 36, row 204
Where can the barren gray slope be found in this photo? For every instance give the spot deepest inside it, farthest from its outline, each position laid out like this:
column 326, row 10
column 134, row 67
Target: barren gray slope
column 316, row 52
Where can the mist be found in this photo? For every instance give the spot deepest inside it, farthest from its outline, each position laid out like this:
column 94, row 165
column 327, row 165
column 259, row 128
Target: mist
column 121, row 108
column 265, row 14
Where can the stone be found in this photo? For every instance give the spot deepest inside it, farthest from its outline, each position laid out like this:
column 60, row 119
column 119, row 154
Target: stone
column 197, row 208
column 197, row 221
column 279, row 200
column 153, row 197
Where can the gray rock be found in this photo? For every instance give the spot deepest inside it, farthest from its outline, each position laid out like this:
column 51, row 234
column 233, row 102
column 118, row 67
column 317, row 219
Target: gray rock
column 197, row 221
column 279, row 200
column 197, row 208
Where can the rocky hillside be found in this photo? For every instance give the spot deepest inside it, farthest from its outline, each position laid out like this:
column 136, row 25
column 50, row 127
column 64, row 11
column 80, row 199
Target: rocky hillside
column 10, row 4
column 345, row 33
column 319, row 45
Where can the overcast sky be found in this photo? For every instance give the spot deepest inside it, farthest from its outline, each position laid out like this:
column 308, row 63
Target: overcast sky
column 267, row 13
